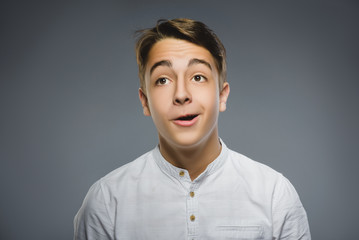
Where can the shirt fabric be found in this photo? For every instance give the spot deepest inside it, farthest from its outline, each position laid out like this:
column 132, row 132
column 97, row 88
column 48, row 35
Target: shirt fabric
column 234, row 198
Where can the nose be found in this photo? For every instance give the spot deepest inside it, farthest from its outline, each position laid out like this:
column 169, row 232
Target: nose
column 181, row 95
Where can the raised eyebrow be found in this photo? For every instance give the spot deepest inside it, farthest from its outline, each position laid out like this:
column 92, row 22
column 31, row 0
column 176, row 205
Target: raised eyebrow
column 160, row 63
column 199, row 61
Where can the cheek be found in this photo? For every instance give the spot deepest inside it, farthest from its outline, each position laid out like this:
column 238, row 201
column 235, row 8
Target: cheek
column 210, row 99
column 158, row 103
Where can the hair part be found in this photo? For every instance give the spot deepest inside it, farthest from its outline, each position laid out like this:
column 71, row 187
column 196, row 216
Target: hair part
column 185, row 29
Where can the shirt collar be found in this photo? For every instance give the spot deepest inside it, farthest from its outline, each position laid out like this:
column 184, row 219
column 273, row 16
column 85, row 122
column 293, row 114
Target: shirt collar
column 182, row 174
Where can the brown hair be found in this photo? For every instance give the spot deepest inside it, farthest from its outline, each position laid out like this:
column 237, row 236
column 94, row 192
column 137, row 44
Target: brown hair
column 181, row 28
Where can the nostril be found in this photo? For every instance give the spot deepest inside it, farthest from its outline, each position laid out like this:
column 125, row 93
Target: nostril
column 181, row 101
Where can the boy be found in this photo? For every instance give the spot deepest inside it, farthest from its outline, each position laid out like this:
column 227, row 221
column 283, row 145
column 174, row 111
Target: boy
column 191, row 186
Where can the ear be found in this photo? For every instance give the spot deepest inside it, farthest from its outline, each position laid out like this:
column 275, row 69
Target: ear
column 144, row 102
column 223, row 96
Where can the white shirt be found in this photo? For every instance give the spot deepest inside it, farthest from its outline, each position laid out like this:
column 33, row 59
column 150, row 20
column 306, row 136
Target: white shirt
column 234, row 198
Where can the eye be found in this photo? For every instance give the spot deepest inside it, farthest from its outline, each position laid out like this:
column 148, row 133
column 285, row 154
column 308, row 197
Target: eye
column 162, row 81
column 199, row 78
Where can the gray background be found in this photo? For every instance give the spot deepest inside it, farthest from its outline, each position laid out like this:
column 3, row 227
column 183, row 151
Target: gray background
column 70, row 111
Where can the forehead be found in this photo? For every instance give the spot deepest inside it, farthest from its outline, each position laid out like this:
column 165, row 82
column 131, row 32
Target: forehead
column 176, row 51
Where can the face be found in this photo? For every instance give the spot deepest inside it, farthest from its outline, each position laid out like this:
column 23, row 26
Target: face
column 182, row 92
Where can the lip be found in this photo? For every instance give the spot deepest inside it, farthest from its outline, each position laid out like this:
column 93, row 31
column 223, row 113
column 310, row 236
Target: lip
column 186, row 123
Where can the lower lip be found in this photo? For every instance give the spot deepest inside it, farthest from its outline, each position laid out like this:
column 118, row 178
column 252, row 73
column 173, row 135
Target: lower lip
column 188, row 123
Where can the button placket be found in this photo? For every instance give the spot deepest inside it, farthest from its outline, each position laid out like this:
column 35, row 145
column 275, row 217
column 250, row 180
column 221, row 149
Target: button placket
column 192, row 212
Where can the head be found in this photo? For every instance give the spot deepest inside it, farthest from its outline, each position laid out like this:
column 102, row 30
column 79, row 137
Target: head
column 185, row 29
column 183, row 88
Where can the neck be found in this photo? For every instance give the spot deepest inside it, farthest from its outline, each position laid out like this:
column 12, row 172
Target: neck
column 194, row 159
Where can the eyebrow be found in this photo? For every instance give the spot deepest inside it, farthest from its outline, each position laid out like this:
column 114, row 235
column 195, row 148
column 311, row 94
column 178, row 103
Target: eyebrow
column 160, row 63
column 192, row 62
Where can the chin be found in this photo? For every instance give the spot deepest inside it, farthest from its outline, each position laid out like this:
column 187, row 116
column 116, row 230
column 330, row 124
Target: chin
column 187, row 140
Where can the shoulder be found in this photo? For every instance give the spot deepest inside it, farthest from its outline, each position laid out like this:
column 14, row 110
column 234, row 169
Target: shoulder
column 129, row 172
column 95, row 218
column 252, row 169
column 284, row 193
column 288, row 215
column 112, row 183
column 260, row 176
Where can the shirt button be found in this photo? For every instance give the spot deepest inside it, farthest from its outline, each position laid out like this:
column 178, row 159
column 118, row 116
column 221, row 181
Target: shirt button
column 192, row 217
column 181, row 173
column 191, row 194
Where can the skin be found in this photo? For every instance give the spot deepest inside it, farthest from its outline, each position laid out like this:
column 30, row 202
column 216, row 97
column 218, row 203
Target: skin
column 181, row 78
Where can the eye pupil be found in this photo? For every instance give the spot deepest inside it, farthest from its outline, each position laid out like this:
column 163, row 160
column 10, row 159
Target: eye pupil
column 162, row 81
column 197, row 78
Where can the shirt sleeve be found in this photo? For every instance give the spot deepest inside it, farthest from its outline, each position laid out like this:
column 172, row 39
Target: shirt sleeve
column 92, row 221
column 289, row 216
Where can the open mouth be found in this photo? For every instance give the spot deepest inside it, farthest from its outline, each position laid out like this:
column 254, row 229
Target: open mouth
column 187, row 117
